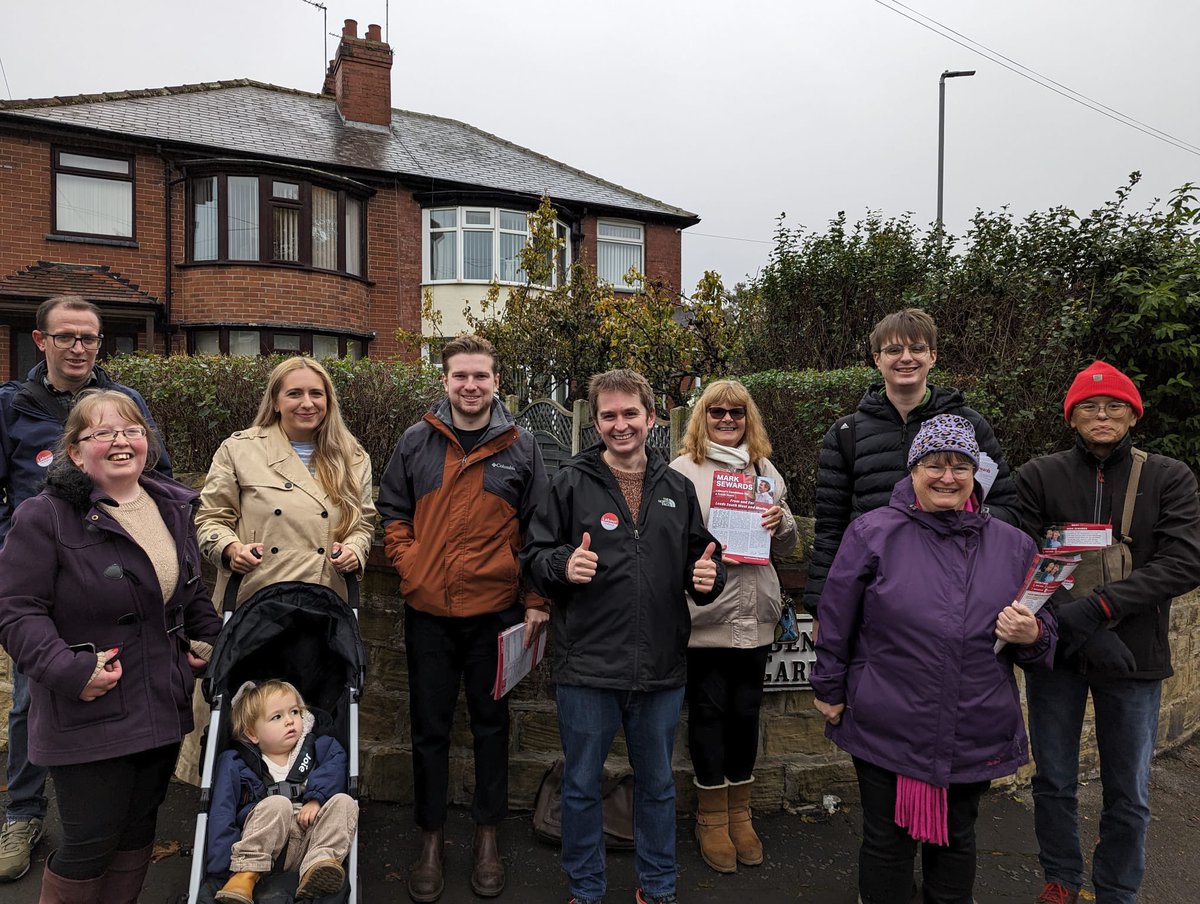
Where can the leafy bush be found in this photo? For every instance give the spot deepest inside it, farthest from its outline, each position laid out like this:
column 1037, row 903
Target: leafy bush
column 199, row 400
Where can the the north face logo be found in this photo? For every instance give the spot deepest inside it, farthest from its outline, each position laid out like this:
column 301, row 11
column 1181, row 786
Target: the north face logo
column 667, row 502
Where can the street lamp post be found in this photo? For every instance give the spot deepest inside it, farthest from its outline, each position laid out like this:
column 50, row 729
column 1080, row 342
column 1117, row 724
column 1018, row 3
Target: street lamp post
column 949, row 73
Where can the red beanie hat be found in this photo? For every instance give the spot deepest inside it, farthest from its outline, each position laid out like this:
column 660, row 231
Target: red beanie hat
column 1101, row 379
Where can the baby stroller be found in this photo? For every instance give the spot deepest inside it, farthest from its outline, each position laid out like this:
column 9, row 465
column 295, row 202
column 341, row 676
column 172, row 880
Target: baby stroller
column 305, row 634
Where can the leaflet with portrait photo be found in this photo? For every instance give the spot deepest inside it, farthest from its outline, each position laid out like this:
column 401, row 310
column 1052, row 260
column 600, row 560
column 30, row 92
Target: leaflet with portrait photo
column 1046, row 574
column 735, row 516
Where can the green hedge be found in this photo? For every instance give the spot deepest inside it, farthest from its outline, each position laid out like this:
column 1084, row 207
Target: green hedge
column 199, row 400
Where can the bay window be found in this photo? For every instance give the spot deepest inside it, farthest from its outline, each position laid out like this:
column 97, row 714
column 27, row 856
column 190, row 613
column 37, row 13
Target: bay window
column 276, row 220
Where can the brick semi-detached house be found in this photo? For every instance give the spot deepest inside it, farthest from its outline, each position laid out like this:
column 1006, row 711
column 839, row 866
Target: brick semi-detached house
column 238, row 217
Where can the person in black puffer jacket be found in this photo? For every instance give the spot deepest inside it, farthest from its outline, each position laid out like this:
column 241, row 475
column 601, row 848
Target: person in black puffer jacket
column 864, row 454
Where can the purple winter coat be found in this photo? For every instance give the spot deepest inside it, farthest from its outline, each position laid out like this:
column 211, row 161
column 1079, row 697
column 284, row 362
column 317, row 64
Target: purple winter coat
column 69, row 574
column 908, row 618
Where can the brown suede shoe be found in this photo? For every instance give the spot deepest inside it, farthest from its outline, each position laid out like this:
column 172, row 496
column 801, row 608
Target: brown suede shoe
column 426, row 879
column 239, row 889
column 487, row 876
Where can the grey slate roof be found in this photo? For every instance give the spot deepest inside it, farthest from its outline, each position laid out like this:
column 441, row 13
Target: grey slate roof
column 253, row 118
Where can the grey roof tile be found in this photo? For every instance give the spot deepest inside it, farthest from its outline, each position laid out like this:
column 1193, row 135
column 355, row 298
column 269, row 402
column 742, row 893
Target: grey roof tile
column 247, row 117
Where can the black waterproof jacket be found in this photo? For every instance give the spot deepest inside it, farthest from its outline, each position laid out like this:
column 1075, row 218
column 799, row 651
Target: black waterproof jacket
column 1164, row 537
column 881, row 440
column 628, row 628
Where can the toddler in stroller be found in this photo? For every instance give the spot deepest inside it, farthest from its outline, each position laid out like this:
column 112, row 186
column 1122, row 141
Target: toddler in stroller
column 279, row 796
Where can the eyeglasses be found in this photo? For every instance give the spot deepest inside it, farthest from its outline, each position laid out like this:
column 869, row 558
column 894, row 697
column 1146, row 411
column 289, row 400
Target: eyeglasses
column 719, row 414
column 960, row 472
column 68, row 340
column 1112, row 409
column 917, row 349
column 110, row 436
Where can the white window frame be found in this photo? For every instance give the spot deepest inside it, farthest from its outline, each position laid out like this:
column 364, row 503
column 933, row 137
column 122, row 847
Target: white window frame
column 462, row 227
column 619, row 284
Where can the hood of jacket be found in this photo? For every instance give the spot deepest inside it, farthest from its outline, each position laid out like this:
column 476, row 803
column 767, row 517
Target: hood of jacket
column 942, row 400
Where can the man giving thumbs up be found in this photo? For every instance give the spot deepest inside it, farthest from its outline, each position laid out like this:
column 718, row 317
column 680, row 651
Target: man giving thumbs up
column 615, row 546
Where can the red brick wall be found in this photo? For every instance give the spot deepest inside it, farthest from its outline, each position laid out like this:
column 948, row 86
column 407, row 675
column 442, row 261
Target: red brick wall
column 26, row 214
column 662, row 251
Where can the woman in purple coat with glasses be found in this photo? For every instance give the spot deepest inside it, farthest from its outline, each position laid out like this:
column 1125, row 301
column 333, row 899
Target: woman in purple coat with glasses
column 906, row 674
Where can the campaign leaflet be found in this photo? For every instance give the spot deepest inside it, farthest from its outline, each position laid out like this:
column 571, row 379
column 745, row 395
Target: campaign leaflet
column 1047, row 573
column 1074, row 536
column 735, row 516
column 514, row 661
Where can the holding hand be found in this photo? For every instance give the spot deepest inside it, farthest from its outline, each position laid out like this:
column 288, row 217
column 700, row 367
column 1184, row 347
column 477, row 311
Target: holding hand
column 1016, row 624
column 1106, row 652
column 772, row 517
column 581, row 566
column 831, row 711
column 307, row 814
column 344, row 559
column 243, row 557
column 535, row 622
column 105, row 678
column 704, row 572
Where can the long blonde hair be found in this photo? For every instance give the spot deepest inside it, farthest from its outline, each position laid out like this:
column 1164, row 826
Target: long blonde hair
column 730, row 394
column 336, row 448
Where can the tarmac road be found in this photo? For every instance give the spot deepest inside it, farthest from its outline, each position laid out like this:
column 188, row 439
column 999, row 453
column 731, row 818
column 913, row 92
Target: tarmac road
column 811, row 856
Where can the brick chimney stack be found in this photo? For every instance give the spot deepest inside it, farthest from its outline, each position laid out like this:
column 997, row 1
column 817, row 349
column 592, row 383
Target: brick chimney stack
column 360, row 76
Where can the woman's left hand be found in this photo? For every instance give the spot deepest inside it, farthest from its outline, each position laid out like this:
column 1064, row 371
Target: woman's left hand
column 1016, row 624
column 196, row 664
column 344, row 558
column 831, row 711
column 771, row 517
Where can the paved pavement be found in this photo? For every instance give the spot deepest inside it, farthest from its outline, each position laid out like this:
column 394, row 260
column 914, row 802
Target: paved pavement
column 811, row 855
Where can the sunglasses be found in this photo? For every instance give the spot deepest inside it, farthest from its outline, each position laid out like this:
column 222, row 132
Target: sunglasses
column 719, row 414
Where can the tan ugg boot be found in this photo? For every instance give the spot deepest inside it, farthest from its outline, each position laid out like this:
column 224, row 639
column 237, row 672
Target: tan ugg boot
column 741, row 829
column 712, row 828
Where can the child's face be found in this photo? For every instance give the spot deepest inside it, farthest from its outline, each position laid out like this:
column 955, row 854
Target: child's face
column 277, row 729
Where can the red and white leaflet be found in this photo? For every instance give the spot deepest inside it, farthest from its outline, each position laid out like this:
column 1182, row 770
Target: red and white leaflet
column 735, row 516
column 1046, row 574
column 1074, row 536
column 514, row 661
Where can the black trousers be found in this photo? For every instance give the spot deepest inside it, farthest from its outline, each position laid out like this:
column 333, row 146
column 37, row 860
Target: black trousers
column 109, row 806
column 885, row 860
column 724, row 696
column 442, row 653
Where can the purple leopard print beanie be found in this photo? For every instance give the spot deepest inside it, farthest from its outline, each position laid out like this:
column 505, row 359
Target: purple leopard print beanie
column 944, row 433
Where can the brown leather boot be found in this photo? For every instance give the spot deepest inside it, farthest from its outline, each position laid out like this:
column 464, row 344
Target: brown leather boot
column 59, row 890
column 426, row 879
column 712, row 828
column 239, row 889
column 741, row 829
column 126, row 875
column 487, row 875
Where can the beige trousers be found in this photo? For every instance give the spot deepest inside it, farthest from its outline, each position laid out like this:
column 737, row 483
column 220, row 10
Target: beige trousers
column 272, row 824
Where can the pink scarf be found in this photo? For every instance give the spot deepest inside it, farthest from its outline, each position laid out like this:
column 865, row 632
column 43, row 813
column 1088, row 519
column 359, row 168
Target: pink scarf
column 921, row 809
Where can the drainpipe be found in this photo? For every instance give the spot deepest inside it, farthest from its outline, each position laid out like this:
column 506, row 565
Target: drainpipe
column 168, row 327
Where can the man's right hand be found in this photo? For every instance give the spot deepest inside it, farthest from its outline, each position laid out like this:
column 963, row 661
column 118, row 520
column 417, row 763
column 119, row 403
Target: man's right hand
column 1106, row 652
column 581, row 566
column 243, row 557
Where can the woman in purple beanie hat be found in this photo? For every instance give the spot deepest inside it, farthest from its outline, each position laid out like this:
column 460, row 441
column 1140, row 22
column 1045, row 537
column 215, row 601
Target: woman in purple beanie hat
column 906, row 674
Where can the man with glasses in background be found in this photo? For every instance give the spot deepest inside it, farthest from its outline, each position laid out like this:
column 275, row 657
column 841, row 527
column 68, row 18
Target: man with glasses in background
column 1113, row 630
column 32, row 414
column 865, row 453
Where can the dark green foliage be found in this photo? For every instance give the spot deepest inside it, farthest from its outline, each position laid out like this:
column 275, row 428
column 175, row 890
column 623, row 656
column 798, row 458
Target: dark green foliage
column 198, row 401
column 1021, row 307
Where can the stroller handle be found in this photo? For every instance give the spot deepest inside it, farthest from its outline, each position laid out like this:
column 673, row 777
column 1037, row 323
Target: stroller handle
column 228, row 603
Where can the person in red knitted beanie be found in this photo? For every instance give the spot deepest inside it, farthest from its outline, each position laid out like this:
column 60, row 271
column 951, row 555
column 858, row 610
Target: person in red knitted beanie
column 1113, row 627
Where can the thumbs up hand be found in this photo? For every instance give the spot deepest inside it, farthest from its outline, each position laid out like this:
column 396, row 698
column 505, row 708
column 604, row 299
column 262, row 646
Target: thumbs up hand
column 581, row 566
column 704, row 572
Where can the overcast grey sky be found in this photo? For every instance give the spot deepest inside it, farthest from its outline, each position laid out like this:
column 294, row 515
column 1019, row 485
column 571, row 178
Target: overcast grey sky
column 738, row 111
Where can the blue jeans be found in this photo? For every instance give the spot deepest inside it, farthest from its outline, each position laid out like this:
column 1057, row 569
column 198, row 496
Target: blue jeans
column 26, row 782
column 588, row 719
column 1126, row 726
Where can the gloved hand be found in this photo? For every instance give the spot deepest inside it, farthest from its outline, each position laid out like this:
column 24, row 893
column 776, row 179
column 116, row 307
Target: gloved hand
column 1107, row 653
column 1078, row 620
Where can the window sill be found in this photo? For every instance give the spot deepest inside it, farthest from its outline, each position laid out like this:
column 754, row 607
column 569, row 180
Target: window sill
column 92, row 240
column 276, row 265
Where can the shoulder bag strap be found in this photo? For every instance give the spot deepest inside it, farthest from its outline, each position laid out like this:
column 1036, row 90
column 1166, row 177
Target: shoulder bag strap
column 1135, row 475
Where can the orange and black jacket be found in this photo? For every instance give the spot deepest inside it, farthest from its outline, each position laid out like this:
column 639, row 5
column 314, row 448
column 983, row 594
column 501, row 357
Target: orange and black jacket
column 453, row 522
